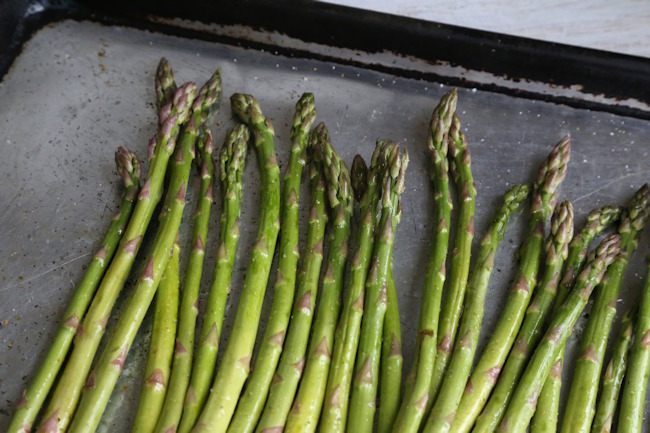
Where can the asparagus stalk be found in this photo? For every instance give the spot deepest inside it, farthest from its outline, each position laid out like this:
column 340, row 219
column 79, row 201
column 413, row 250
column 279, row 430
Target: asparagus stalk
column 129, row 169
column 485, row 375
column 453, row 302
column 62, row 404
column 613, row 379
column 418, row 381
column 548, row 404
column 232, row 159
column 107, row 370
column 252, row 401
column 110, row 364
column 182, row 357
column 557, row 246
column 522, row 405
column 161, row 347
column 308, row 402
column 630, row 418
column 337, row 393
column 390, row 391
column 451, row 391
column 366, row 378
column 292, row 361
column 154, row 387
column 584, row 385
column 235, row 365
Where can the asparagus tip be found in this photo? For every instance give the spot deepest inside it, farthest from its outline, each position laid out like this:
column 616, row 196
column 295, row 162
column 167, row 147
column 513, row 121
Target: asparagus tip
column 639, row 207
column 207, row 95
column 359, row 176
column 164, row 82
column 128, row 166
column 554, row 167
column 304, row 116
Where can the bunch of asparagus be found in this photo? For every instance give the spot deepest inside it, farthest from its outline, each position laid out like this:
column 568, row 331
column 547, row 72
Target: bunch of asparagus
column 326, row 359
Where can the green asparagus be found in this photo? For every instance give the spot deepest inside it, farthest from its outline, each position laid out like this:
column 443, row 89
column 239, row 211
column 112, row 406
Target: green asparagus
column 390, row 380
column 66, row 395
column 161, row 347
column 107, row 370
column 110, row 364
column 34, row 395
column 451, row 391
column 452, row 305
column 522, row 405
column 154, row 391
column 337, row 393
column 613, row 379
column 307, row 405
column 548, row 404
column 232, row 159
column 598, row 221
column 164, row 83
column 366, row 377
column 418, row 381
column 484, row 377
column 586, row 375
column 235, row 365
column 557, row 246
column 182, row 361
column 630, row 418
column 252, row 401
column 292, row 361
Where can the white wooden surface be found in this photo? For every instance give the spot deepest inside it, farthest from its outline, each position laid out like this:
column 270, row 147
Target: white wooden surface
column 621, row 26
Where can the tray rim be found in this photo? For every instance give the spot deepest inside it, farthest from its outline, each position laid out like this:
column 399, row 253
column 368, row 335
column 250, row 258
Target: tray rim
column 610, row 77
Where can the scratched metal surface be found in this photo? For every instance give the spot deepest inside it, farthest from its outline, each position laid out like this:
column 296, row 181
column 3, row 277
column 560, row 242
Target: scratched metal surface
column 80, row 89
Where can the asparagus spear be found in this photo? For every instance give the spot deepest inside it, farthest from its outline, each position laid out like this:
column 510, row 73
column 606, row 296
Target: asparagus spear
column 630, row 418
column 337, row 392
column 522, row 405
column 182, row 361
column 235, row 365
column 107, row 370
column 390, row 391
column 548, row 404
column 366, row 378
column 109, row 366
column 451, row 391
column 129, row 169
column 292, row 361
column 252, row 401
column 557, row 246
column 453, row 302
column 584, row 385
column 63, row 402
column 161, row 347
column 231, row 161
column 154, row 387
column 308, row 402
column 484, row 376
column 613, row 379
column 418, row 381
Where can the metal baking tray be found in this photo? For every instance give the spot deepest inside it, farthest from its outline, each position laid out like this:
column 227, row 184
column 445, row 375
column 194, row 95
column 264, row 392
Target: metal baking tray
column 77, row 81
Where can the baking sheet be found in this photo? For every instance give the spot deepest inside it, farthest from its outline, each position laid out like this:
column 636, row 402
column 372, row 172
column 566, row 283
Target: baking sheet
column 80, row 89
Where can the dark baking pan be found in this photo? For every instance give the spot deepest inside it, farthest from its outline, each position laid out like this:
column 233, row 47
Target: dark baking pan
column 77, row 81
